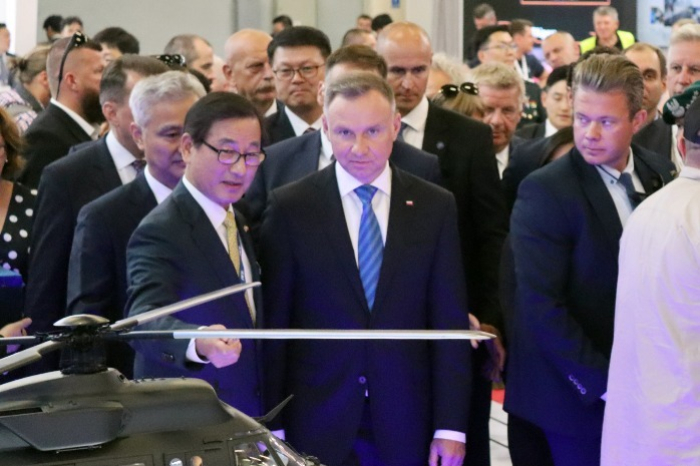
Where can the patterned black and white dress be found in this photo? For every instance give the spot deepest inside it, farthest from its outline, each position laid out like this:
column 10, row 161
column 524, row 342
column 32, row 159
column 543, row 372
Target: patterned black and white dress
column 14, row 238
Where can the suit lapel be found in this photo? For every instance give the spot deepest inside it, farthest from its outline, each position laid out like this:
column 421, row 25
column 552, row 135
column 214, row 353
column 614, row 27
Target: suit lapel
column 69, row 124
column 434, row 141
column 598, row 196
column 336, row 229
column 106, row 175
column 651, row 180
column 309, row 153
column 247, row 244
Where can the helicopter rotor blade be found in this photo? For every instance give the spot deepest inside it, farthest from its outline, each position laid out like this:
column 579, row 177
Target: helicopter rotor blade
column 296, row 334
column 139, row 319
column 29, row 355
column 17, row 340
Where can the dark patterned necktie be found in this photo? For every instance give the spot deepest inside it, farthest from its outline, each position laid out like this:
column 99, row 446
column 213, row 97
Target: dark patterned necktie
column 139, row 165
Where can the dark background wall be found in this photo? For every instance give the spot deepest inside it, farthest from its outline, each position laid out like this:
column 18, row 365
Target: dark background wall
column 578, row 20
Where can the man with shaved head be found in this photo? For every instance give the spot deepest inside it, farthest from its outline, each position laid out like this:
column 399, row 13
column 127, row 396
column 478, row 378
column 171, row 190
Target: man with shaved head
column 248, row 70
column 560, row 49
column 468, row 167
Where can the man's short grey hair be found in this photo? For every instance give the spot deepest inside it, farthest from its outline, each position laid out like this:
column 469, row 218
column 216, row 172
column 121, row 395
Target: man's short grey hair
column 455, row 69
column 171, row 86
column 610, row 73
column 356, row 84
column 686, row 33
column 184, row 45
column 498, row 75
column 606, row 11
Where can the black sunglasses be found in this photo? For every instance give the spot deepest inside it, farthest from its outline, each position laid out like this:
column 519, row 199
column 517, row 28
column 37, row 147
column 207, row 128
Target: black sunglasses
column 451, row 90
column 77, row 40
column 171, row 60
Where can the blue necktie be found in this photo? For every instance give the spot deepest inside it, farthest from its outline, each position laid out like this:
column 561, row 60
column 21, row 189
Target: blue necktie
column 370, row 247
column 404, row 125
column 625, row 180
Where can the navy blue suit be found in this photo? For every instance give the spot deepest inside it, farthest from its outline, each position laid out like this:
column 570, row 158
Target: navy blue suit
column 295, row 158
column 176, row 254
column 565, row 232
column 277, row 127
column 312, row 281
column 97, row 269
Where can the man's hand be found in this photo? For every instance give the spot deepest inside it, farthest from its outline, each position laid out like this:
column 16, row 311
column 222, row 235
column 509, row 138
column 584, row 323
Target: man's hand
column 497, row 352
column 445, row 452
column 221, row 352
column 15, row 329
column 474, row 325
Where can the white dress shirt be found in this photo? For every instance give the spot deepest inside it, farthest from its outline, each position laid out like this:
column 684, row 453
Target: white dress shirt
column 502, row 158
column 216, row 215
column 415, row 121
column 326, row 156
column 272, row 110
column 652, row 415
column 299, row 125
column 92, row 130
column 122, row 158
column 549, row 128
column 617, row 191
column 159, row 190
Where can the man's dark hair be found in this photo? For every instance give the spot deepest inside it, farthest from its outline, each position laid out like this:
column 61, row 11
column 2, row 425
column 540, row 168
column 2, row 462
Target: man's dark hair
column 562, row 73
column 54, row 22
column 360, row 56
column 300, row 36
column 379, row 22
column 115, row 76
column 518, row 26
column 283, row 19
column 215, row 107
column 118, row 38
column 482, row 10
column 70, row 20
column 483, row 35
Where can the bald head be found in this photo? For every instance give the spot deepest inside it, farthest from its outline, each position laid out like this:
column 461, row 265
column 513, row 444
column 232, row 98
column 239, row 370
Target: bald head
column 247, row 67
column 560, row 49
column 408, row 54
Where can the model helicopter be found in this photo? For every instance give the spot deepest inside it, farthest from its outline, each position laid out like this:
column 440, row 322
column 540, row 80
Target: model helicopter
column 88, row 414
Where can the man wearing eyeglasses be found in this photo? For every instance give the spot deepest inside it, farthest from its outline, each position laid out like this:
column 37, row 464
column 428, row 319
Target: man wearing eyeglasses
column 194, row 243
column 97, row 267
column 74, row 67
column 297, row 55
column 468, row 167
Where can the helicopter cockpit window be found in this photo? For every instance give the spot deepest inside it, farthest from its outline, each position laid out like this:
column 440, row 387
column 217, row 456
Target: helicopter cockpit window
column 258, row 454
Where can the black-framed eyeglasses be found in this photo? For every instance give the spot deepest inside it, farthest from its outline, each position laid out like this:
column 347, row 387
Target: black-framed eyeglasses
column 305, row 72
column 231, row 157
column 77, row 40
column 176, row 60
column 451, row 90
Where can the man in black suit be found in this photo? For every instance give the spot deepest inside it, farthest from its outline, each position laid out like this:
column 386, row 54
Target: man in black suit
column 293, row 159
column 297, row 55
column 565, row 229
column 73, row 116
column 683, row 69
column 97, row 268
column 195, row 243
column 468, row 167
column 555, row 99
column 388, row 244
column 70, row 183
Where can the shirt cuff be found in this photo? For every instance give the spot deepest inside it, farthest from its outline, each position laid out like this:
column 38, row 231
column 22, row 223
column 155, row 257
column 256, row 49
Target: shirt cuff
column 450, row 435
column 192, row 355
column 279, row 434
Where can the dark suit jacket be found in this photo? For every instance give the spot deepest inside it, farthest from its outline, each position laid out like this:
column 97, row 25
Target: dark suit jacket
column 565, row 234
column 656, row 137
column 49, row 138
column 97, row 269
column 468, row 166
column 524, row 159
column 176, row 254
column 531, row 131
column 277, row 127
column 295, row 158
column 66, row 186
column 312, row 281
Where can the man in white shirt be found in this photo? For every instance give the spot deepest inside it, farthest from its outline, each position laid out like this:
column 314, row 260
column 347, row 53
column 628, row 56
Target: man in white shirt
column 194, row 243
column 652, row 416
column 383, row 254
column 97, row 268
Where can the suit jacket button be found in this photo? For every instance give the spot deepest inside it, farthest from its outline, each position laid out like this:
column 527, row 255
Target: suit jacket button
column 583, row 391
column 167, row 357
column 362, row 380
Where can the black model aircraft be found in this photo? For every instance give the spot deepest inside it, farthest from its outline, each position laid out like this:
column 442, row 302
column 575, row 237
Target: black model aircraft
column 90, row 415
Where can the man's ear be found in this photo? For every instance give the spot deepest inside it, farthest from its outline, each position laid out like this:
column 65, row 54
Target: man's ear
column 186, row 144
column 109, row 110
column 137, row 134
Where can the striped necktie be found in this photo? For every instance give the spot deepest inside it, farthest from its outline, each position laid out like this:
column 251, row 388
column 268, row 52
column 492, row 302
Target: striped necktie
column 400, row 137
column 370, row 247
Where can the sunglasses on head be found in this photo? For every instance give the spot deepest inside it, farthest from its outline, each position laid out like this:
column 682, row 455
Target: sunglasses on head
column 451, row 90
column 77, row 40
column 175, row 60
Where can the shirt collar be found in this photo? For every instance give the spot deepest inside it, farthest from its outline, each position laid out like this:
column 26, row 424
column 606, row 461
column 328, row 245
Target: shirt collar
column 549, row 128
column 120, row 155
column 214, row 212
column 347, row 183
column 690, row 173
column 272, row 110
column 609, row 172
column 159, row 190
column 91, row 130
column 326, row 148
column 417, row 117
column 299, row 125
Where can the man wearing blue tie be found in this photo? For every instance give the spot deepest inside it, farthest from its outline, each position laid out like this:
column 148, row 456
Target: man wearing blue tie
column 362, row 244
